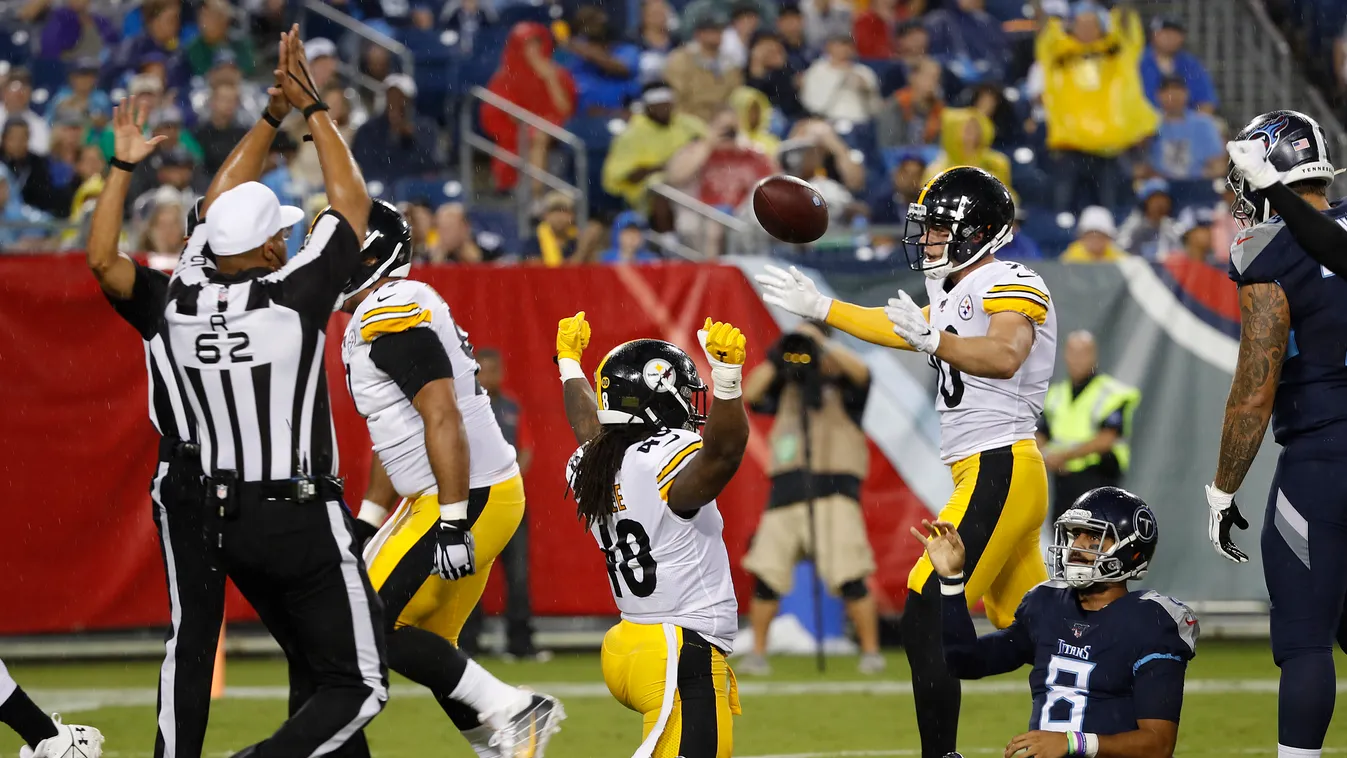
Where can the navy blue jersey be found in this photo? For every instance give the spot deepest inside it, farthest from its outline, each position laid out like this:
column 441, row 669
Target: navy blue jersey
column 1310, row 398
column 1094, row 671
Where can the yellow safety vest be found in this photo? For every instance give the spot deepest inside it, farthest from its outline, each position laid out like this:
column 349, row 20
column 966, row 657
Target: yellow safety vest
column 1075, row 420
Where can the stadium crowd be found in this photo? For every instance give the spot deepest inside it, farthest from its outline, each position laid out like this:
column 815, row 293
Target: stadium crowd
column 1100, row 121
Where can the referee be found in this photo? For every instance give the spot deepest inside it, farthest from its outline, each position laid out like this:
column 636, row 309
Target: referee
column 247, row 342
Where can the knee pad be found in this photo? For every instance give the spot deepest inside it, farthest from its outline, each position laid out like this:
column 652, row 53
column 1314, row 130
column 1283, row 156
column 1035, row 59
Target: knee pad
column 855, row 590
column 762, row 592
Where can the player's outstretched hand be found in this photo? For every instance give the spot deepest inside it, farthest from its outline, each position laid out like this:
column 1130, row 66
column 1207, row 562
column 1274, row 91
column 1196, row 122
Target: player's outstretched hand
column 725, row 348
column 128, row 133
column 572, row 337
column 1250, row 157
column 910, row 323
column 943, row 543
column 794, row 292
column 1224, row 515
column 1038, row 744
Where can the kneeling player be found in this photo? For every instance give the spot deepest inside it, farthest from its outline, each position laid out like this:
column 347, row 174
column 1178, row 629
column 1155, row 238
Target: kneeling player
column 646, row 484
column 45, row 737
column 1108, row 663
column 412, row 376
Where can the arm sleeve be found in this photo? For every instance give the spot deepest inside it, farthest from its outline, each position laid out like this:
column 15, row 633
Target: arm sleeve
column 1323, row 239
column 1162, row 662
column 1157, row 689
column 413, row 358
column 972, row 657
column 312, row 281
column 146, row 305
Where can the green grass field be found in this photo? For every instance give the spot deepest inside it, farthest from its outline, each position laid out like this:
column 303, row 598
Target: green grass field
column 1230, row 709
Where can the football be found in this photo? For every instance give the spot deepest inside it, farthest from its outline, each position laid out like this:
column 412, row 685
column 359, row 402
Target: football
column 790, row 209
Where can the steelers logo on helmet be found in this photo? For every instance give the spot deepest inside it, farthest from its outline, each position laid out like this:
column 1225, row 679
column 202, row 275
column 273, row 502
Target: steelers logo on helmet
column 658, row 374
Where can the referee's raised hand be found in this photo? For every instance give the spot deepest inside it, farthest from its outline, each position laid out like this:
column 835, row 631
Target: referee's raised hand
column 292, row 72
column 128, row 132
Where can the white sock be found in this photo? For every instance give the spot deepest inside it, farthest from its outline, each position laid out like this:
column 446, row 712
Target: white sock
column 487, row 695
column 479, row 737
column 1298, row 752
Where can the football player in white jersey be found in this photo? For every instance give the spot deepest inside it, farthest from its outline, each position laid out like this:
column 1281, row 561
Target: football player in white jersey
column 645, row 483
column 991, row 332
column 411, row 373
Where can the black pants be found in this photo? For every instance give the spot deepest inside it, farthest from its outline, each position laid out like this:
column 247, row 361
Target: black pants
column 196, row 582
column 514, row 559
column 1067, row 487
column 299, row 567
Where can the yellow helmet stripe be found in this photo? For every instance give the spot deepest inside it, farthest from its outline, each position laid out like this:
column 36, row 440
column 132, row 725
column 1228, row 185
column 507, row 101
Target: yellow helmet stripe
column 921, row 199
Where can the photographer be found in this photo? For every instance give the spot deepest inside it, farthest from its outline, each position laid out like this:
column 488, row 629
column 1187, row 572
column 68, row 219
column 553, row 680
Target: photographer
column 817, row 391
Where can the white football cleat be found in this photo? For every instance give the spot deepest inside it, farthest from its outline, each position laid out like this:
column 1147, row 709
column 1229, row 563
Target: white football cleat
column 71, row 741
column 526, row 733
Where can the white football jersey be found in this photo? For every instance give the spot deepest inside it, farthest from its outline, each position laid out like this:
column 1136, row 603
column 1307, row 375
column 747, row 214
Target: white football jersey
column 395, row 428
column 663, row 567
column 978, row 414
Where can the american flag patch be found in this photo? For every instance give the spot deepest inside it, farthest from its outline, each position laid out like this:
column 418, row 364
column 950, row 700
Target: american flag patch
column 1301, row 144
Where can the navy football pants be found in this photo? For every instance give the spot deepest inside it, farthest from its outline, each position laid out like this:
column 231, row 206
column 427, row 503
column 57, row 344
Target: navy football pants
column 1304, row 545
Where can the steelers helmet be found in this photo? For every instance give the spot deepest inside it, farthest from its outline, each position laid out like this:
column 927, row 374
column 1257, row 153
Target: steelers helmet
column 1295, row 145
column 973, row 206
column 651, row 382
column 387, row 251
column 1106, row 513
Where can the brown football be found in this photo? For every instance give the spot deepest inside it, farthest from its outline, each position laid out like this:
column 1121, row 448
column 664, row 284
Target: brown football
column 790, row 209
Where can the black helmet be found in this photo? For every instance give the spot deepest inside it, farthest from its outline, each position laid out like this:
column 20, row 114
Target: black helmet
column 1107, row 512
column 194, row 216
column 387, row 251
column 976, row 209
column 650, row 381
column 1296, row 146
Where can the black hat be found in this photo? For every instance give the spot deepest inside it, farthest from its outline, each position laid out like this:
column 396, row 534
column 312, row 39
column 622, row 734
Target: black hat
column 1168, row 22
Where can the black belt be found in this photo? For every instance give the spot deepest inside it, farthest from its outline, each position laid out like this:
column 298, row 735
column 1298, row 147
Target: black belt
column 300, row 490
column 172, row 448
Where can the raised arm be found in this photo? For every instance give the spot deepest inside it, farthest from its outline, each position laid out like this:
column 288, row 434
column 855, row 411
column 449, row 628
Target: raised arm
column 582, row 408
column 1320, row 236
column 116, row 273
column 797, row 293
column 726, row 433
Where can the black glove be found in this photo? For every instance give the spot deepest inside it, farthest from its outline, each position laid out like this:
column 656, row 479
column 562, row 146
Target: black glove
column 455, row 551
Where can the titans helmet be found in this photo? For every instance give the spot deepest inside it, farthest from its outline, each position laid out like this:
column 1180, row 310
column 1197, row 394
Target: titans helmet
column 387, row 251
column 652, row 382
column 1124, row 532
column 1296, row 146
column 972, row 206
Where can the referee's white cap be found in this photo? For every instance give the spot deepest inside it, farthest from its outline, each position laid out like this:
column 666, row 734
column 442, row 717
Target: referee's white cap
column 245, row 217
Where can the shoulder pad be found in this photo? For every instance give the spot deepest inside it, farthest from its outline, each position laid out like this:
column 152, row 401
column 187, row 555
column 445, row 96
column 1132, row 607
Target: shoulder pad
column 1251, row 242
column 1017, row 289
column 665, row 455
column 1185, row 620
column 394, row 307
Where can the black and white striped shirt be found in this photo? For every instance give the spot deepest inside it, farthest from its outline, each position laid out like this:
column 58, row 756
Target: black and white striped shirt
column 248, row 348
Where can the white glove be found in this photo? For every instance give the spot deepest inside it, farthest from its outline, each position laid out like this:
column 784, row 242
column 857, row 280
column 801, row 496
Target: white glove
column 1224, row 514
column 793, row 291
column 910, row 324
column 70, row 740
column 1250, row 157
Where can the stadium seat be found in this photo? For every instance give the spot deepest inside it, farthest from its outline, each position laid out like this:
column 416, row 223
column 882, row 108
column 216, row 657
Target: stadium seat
column 1192, row 192
column 48, row 74
column 1040, row 224
column 499, row 222
column 438, row 191
column 521, row 12
column 16, row 47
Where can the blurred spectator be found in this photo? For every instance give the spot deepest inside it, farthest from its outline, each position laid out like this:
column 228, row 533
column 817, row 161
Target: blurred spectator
column 468, row 18
column 966, row 140
column 554, row 240
column 803, row 158
column 168, row 121
column 163, row 230
column 530, row 79
column 700, row 80
column 825, row 20
column 1188, row 144
column 639, row 153
column 1021, row 247
column 30, row 174
column 376, row 62
column 744, row 23
column 88, row 182
column 225, row 72
column 835, row 155
column 1166, row 58
column 1093, row 102
column 656, row 38
column 421, row 218
column 755, row 114
column 605, row 71
column 17, row 103
column 79, row 99
column 453, row 239
column 912, row 116
column 1148, row 230
column 323, row 61
column 15, row 214
column 67, row 135
column 837, row 88
column 169, row 173
column 969, row 41
column 306, row 166
column 890, row 207
column 1095, row 231
column 769, row 72
column 73, row 31
column 629, row 244
column 722, row 166
column 222, row 130
column 269, row 19
column 398, row 143
column 281, row 178
column 1224, row 226
column 913, row 46
column 790, row 25
column 1194, row 232
column 213, row 22
column 875, row 30
column 163, row 24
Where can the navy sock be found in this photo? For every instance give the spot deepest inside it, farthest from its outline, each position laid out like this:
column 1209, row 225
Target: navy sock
column 1305, row 699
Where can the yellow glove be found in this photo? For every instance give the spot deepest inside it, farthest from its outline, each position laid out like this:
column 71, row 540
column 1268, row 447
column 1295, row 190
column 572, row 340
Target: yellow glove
column 572, row 339
column 725, row 351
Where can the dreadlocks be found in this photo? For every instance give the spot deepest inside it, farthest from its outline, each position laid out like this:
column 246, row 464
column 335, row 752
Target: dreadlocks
column 598, row 467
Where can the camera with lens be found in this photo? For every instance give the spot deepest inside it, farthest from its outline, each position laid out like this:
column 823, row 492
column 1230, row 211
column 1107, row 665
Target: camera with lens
column 797, row 357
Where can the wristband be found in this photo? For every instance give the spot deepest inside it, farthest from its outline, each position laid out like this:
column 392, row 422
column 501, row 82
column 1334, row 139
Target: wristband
column 312, row 109
column 956, row 579
column 270, row 119
column 727, row 381
column 951, row 585
column 1074, row 741
column 372, row 513
column 1091, row 748
column 569, row 369
column 454, row 511
column 126, row 166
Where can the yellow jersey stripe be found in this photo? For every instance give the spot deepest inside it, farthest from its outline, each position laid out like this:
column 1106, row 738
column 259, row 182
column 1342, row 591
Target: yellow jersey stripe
column 1014, row 304
column 393, row 325
column 407, row 309
column 678, row 458
column 1020, row 288
column 1021, row 295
